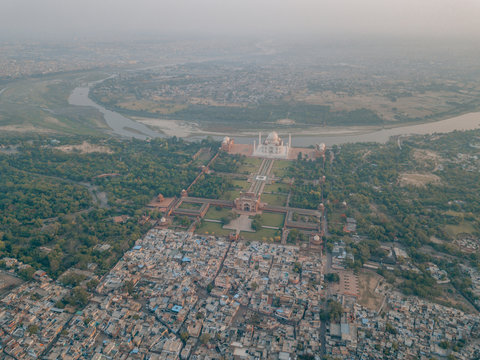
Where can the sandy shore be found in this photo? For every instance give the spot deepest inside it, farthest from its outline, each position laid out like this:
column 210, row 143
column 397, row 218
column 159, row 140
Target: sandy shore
column 184, row 129
column 170, row 127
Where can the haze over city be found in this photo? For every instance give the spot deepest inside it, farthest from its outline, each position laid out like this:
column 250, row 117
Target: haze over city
column 115, row 18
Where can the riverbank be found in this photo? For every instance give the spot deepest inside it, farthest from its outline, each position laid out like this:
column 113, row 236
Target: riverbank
column 328, row 135
column 141, row 127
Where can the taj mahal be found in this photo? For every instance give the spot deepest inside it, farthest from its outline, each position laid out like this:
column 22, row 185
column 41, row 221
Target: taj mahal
column 272, row 147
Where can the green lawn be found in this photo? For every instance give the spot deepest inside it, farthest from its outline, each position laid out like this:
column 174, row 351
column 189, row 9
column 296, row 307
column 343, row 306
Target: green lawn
column 312, row 219
column 273, row 219
column 27, row 103
column 463, row 227
column 230, row 195
column 241, row 184
column 212, row 229
column 280, row 168
column 275, row 200
column 250, row 165
column 215, row 214
column 261, row 235
column 190, row 206
column 277, row 188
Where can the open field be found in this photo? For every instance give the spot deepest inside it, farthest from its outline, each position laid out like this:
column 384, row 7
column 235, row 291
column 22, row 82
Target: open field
column 422, row 105
column 190, row 206
column 260, row 235
column 132, row 103
column 41, row 105
column 85, row 148
column 212, row 229
column 8, row 282
column 367, row 282
column 416, row 179
column 280, row 168
column 241, row 184
column 427, row 158
column 231, row 195
column 215, row 214
column 274, row 199
column 249, row 166
column 273, row 219
column 277, row 188
column 464, row 227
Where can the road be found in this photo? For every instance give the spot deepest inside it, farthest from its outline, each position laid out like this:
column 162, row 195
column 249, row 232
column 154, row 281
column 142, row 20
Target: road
column 264, row 170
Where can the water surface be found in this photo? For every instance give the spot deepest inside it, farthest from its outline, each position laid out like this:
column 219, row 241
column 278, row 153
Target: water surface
column 124, row 126
column 119, row 124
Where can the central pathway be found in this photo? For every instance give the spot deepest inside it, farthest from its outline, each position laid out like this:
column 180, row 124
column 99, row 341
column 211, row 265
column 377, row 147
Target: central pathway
column 260, row 179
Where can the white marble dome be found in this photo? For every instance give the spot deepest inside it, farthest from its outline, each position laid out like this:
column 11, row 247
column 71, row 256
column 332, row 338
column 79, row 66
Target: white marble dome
column 273, row 139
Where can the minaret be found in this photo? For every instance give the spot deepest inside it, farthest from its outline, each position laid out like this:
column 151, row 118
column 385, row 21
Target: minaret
column 289, row 140
column 259, row 138
column 254, row 145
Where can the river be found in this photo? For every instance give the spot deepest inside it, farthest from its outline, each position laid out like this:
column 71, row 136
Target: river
column 124, row 126
column 119, row 124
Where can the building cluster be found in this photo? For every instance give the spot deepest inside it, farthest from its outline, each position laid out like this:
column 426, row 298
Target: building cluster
column 29, row 319
column 340, row 255
column 474, row 275
column 18, row 59
column 413, row 328
column 468, row 243
column 241, row 85
column 440, row 276
column 341, row 335
column 176, row 295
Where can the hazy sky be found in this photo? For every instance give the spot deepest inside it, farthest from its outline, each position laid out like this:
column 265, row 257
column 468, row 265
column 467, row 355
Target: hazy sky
column 81, row 18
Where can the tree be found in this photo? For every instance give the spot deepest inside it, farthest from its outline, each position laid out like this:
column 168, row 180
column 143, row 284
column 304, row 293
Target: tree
column 209, row 287
column 332, row 277
column 257, row 222
column 333, row 312
column 184, row 335
column 78, row 297
column 129, row 287
column 32, row 329
column 390, row 328
column 92, row 284
column 205, row 338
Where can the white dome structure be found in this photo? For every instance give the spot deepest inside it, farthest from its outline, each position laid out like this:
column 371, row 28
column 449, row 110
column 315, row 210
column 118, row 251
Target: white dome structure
column 272, row 147
column 273, row 139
